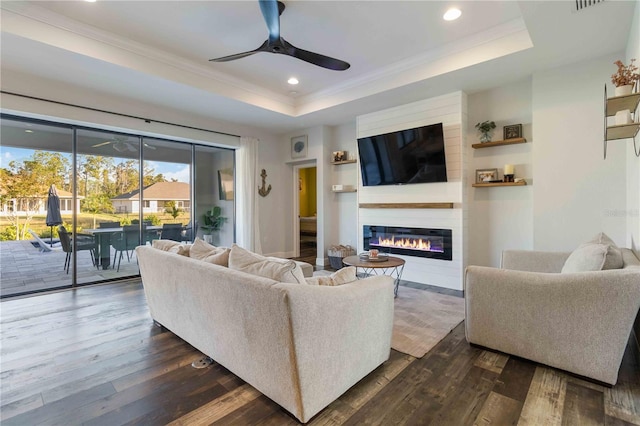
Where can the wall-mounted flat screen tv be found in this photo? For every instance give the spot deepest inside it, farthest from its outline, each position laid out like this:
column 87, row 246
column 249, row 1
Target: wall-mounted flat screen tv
column 403, row 157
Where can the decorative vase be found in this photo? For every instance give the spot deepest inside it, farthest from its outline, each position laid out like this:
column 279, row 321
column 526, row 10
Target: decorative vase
column 623, row 90
column 623, row 117
column 485, row 137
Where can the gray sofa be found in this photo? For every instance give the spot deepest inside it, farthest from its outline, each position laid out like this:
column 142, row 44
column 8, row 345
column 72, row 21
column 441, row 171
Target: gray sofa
column 579, row 322
column 300, row 345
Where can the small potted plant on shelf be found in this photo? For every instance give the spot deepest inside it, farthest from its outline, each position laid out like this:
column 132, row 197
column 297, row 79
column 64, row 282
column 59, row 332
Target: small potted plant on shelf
column 213, row 221
column 486, row 130
column 625, row 78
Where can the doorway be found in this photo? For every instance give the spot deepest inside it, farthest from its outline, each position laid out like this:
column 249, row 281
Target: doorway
column 307, row 214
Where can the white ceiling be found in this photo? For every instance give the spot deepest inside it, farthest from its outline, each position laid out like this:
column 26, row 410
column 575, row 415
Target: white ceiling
column 157, row 52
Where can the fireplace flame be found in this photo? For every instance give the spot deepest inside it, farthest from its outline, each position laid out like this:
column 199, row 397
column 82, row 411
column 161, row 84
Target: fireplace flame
column 406, row 243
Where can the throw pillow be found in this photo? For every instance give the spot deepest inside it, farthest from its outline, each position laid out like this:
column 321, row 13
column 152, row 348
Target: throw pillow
column 283, row 270
column 602, row 238
column 206, row 252
column 342, row 276
column 614, row 254
column 588, row 257
column 172, row 246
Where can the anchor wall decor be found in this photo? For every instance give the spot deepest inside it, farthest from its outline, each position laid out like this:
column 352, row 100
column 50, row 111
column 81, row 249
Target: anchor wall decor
column 264, row 191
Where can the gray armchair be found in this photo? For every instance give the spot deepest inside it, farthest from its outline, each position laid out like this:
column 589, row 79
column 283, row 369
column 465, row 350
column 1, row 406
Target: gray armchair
column 578, row 322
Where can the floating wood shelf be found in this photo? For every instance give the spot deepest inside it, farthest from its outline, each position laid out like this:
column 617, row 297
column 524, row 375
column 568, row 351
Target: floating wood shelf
column 337, row 163
column 406, row 205
column 514, row 141
column 620, row 103
column 487, row 185
column 345, row 190
column 622, row 131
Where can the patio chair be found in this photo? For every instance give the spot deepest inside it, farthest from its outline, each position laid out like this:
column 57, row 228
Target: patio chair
column 172, row 231
column 190, row 232
column 83, row 242
column 43, row 245
column 127, row 241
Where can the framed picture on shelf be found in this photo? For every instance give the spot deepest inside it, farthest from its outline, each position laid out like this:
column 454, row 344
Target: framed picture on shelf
column 486, row 175
column 513, row 131
column 299, row 146
column 339, row 156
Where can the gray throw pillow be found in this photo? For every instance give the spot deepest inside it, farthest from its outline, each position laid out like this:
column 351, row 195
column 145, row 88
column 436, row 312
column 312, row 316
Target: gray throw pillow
column 592, row 257
column 283, row 270
column 614, row 258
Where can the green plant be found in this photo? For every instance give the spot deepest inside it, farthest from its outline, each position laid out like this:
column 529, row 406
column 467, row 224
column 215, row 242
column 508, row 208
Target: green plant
column 173, row 209
column 486, row 126
column 626, row 74
column 213, row 219
column 155, row 220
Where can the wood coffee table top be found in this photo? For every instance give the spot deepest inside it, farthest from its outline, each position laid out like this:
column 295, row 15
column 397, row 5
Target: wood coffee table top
column 391, row 262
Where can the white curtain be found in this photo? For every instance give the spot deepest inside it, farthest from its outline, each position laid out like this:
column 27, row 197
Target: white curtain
column 248, row 227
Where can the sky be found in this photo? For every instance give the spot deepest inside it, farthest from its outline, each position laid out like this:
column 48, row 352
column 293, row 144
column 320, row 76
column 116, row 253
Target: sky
column 170, row 171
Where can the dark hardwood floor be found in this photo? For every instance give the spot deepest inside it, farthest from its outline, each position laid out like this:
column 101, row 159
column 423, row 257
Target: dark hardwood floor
column 93, row 356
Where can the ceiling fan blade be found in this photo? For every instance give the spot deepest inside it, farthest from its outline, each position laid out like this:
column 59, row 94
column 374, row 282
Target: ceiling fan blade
column 101, row 144
column 262, row 48
column 314, row 58
column 271, row 16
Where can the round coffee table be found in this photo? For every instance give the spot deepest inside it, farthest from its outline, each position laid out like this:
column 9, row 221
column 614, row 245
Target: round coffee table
column 394, row 266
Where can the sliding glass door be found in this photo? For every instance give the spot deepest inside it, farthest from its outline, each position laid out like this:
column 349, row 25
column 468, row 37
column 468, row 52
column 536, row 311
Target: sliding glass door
column 114, row 192
column 35, row 158
column 215, row 195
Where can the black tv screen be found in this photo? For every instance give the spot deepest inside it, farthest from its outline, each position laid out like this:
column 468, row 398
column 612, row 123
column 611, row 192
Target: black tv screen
column 403, row 157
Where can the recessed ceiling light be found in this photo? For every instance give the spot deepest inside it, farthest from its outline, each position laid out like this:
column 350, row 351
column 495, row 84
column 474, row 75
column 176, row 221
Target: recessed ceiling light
column 28, row 131
column 293, row 81
column 90, row 1
column 452, row 14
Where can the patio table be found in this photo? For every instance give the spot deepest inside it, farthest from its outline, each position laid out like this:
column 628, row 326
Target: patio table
column 103, row 242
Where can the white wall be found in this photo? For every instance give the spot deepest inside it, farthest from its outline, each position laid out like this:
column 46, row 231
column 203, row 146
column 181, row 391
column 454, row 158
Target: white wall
column 450, row 110
column 633, row 162
column 500, row 218
column 575, row 190
column 346, row 203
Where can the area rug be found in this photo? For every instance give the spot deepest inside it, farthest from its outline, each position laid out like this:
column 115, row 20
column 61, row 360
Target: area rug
column 422, row 318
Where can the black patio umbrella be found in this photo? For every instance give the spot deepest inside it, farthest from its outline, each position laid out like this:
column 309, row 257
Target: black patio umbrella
column 53, row 210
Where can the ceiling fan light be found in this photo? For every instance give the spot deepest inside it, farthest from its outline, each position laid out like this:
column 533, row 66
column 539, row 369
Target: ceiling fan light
column 452, row 14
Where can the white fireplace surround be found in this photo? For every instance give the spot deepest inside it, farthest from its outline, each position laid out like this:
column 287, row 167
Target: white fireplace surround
column 450, row 110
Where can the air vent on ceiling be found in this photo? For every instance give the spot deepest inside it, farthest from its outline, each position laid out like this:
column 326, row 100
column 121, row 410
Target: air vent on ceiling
column 583, row 4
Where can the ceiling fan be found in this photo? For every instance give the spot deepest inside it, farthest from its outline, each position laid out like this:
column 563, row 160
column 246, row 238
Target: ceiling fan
column 121, row 144
column 271, row 11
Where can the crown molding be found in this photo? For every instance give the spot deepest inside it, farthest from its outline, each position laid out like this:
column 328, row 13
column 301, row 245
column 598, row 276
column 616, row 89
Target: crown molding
column 40, row 24
column 246, row 90
column 425, row 65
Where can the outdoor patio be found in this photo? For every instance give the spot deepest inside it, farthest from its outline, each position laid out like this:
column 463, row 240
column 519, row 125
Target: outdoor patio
column 24, row 268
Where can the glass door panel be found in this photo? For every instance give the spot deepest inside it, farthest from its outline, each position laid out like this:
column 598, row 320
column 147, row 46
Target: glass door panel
column 108, row 182
column 34, row 157
column 215, row 194
column 167, row 189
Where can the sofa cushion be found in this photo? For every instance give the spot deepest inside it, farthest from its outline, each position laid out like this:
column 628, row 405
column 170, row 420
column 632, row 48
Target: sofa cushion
column 343, row 276
column 593, row 257
column 283, row 270
column 172, row 247
column 206, row 252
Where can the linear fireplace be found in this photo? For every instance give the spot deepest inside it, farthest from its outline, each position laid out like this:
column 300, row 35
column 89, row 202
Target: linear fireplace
column 421, row 242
